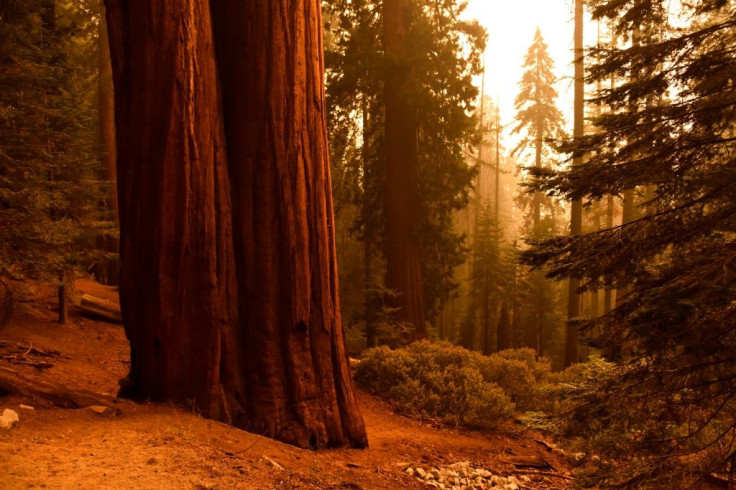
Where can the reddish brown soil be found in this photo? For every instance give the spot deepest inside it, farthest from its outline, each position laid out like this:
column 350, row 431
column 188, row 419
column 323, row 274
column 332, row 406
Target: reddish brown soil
column 158, row 446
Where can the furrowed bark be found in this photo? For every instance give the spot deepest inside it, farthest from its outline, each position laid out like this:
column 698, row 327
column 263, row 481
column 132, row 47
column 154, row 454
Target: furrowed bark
column 229, row 283
column 289, row 348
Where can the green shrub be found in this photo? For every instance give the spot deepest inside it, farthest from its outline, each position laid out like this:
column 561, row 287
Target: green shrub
column 456, row 385
column 462, row 387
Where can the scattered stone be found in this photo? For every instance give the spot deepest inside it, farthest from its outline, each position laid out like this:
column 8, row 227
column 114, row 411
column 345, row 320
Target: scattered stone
column 464, row 476
column 27, row 407
column 273, row 463
column 8, row 419
column 102, row 410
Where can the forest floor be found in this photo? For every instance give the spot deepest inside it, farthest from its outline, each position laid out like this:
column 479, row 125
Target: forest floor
column 157, row 446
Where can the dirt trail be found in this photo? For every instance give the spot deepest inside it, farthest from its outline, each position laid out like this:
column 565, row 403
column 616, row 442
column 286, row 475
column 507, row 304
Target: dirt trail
column 157, row 446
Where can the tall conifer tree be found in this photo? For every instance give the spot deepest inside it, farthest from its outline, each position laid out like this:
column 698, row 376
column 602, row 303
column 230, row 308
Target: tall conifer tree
column 672, row 130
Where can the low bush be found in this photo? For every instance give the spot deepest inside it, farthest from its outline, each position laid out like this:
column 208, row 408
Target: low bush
column 458, row 386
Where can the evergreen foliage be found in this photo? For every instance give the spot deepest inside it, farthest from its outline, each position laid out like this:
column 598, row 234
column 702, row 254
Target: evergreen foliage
column 671, row 133
column 536, row 104
column 540, row 123
column 49, row 187
column 445, row 54
column 490, row 281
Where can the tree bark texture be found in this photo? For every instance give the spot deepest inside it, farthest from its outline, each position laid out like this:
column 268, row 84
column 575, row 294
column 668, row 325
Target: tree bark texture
column 403, row 266
column 229, row 280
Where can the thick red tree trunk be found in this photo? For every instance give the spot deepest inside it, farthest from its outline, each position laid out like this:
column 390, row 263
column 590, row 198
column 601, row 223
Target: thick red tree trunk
column 174, row 215
column 230, row 299
column 403, row 265
column 290, row 348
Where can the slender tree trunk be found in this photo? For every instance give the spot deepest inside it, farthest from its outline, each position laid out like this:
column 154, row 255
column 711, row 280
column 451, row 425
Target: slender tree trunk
column 608, row 294
column 629, row 205
column 63, row 299
column 537, row 197
column 229, row 279
column 594, row 295
column 498, row 165
column 576, row 221
column 503, row 332
column 107, row 112
column 108, row 270
column 403, row 266
column 369, row 284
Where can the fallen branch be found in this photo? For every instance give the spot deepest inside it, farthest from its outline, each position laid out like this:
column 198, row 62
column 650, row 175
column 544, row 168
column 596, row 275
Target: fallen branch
column 529, row 462
column 38, row 352
column 543, row 473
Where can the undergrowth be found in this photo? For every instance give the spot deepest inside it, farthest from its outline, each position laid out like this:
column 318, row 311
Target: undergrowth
column 465, row 388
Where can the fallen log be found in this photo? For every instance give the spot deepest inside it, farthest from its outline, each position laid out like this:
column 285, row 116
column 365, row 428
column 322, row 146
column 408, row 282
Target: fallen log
column 533, row 462
column 14, row 382
column 99, row 308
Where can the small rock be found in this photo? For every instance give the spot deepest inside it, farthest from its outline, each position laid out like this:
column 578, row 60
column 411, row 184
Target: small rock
column 27, row 407
column 513, row 479
column 525, row 479
column 273, row 463
column 511, row 486
column 102, row 410
column 420, row 473
column 485, row 474
column 409, row 471
column 498, row 481
column 8, row 419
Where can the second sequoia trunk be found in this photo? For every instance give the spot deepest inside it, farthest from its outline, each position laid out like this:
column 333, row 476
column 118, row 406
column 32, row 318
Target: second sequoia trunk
column 229, row 282
column 403, row 265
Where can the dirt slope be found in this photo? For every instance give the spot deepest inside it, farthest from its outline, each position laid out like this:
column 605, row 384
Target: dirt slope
column 158, row 446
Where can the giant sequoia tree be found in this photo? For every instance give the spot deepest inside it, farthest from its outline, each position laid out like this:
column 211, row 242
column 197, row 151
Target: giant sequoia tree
column 403, row 267
column 671, row 414
column 229, row 283
column 411, row 89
